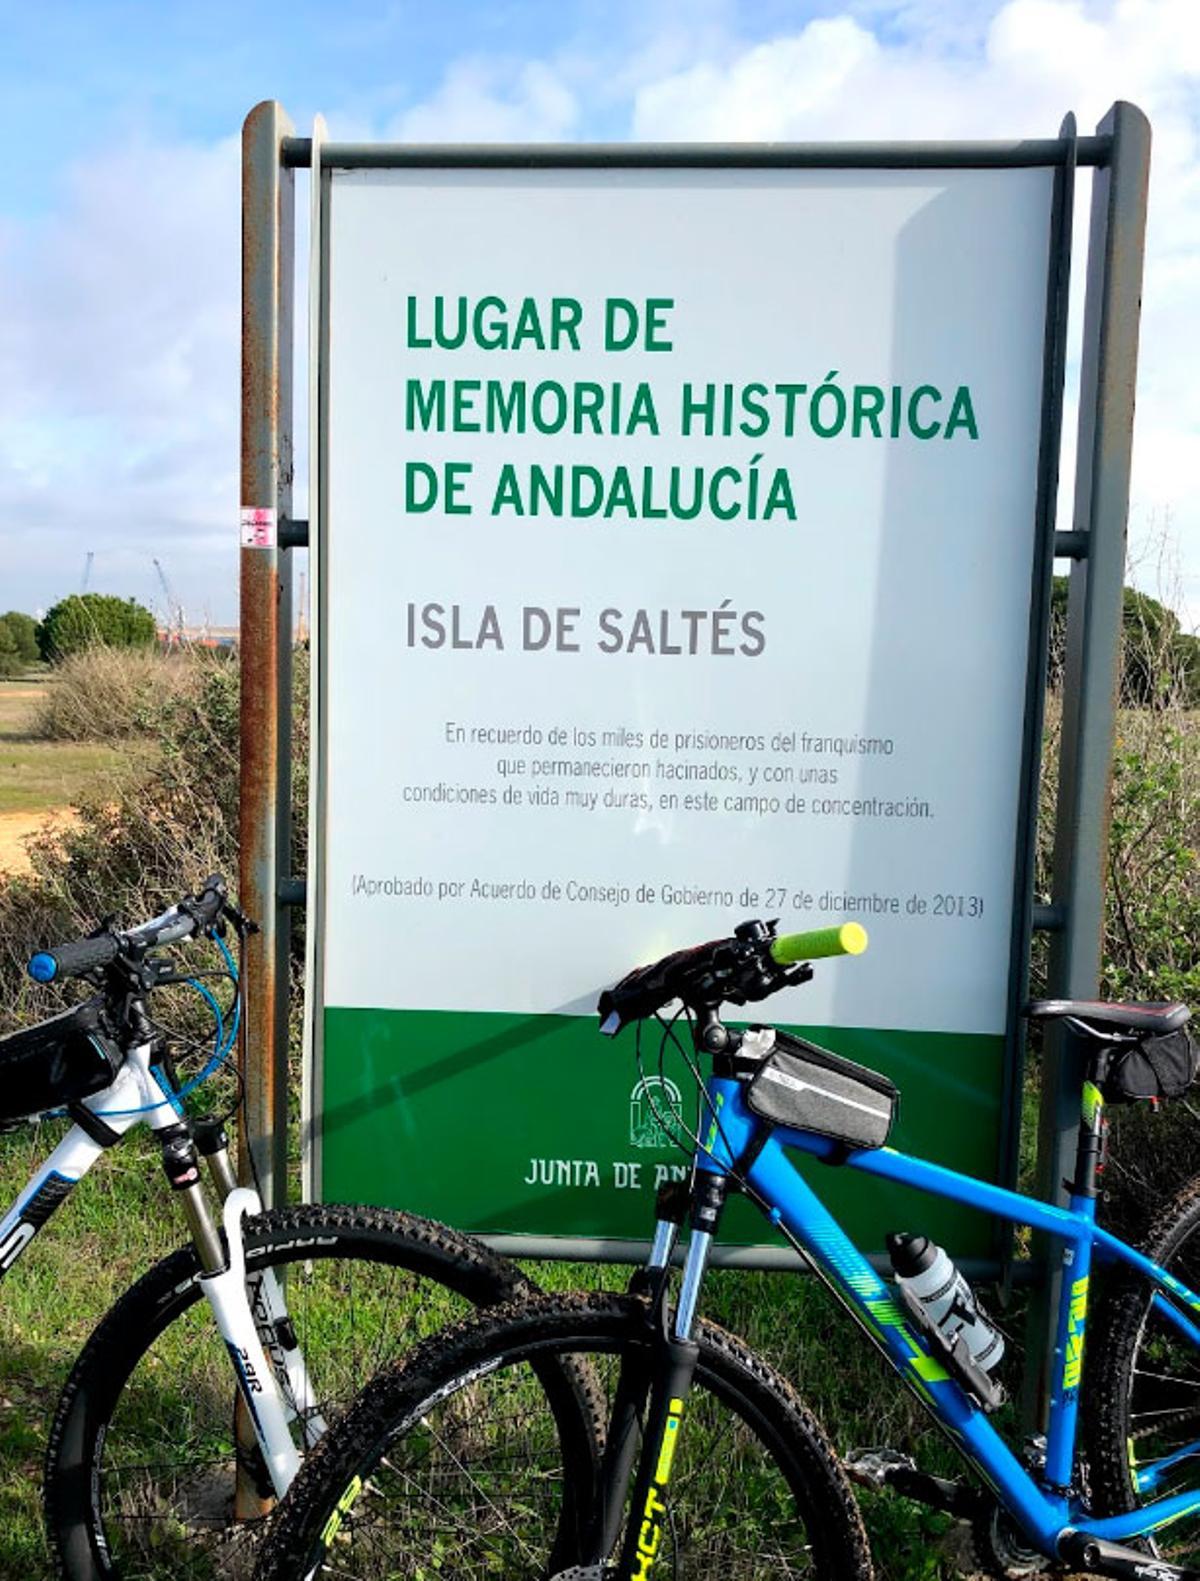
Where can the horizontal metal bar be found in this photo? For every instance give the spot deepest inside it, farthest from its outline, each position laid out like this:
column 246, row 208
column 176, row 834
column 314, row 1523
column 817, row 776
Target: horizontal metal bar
column 1049, row 919
column 297, row 153
column 291, row 892
column 1070, row 545
column 580, row 1249
column 293, row 534
column 583, row 1249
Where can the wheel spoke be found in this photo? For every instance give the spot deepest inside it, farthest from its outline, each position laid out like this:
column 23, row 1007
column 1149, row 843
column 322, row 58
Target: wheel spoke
column 1162, row 1377
column 474, row 1479
column 1142, row 1395
column 356, row 1289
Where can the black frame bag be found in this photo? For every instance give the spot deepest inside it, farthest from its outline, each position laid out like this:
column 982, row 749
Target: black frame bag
column 809, row 1088
column 57, row 1062
column 1154, row 1067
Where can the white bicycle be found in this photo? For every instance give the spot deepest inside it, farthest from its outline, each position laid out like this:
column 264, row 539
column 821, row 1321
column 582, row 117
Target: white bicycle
column 189, row 1409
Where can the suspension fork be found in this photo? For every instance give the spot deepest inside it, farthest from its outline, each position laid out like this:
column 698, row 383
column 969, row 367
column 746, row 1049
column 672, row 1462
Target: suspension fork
column 253, row 1490
column 253, row 1493
column 259, row 1466
column 223, row 1281
column 663, row 1370
column 267, row 1296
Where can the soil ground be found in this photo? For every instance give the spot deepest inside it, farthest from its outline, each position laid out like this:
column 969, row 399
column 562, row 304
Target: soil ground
column 40, row 780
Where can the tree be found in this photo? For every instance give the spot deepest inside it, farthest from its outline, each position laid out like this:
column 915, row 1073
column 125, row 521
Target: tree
column 10, row 658
column 1160, row 662
column 23, row 630
column 87, row 619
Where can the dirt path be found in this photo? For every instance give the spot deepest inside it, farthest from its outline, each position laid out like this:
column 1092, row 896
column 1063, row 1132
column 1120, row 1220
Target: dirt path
column 15, row 829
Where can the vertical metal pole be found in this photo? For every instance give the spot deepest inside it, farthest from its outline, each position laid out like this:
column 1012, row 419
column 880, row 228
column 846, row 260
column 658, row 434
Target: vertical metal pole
column 314, row 919
column 1054, row 363
column 266, row 634
column 1106, row 400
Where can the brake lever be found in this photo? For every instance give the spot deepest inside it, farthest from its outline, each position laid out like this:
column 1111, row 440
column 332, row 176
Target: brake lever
column 246, row 926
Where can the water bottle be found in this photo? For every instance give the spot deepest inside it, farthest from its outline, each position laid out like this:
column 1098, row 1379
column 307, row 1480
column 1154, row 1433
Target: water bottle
column 926, row 1272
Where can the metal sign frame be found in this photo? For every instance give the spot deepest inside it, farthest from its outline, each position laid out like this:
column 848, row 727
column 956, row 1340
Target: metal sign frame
column 1095, row 545
column 1060, row 157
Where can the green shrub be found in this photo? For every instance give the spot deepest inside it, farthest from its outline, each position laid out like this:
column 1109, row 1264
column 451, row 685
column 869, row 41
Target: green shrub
column 84, row 620
column 1151, row 943
column 1152, row 921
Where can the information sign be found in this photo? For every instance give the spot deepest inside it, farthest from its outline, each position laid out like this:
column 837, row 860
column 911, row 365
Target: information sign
column 676, row 546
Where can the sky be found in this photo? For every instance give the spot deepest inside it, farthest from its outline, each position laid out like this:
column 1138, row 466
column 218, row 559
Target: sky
column 120, row 227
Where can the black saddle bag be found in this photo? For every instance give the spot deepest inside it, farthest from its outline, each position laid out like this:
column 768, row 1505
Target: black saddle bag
column 1156, row 1067
column 57, row 1062
column 809, row 1088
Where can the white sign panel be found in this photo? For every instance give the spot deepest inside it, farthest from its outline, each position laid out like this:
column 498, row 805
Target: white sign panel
column 677, row 559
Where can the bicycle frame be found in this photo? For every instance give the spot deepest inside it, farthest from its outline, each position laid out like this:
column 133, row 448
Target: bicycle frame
column 273, row 1380
column 1044, row 1508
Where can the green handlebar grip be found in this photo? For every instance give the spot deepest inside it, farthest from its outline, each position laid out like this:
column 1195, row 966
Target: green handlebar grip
column 848, row 938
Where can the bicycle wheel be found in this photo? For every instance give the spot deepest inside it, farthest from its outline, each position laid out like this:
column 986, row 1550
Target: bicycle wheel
column 452, row 1463
column 1142, row 1387
column 140, row 1465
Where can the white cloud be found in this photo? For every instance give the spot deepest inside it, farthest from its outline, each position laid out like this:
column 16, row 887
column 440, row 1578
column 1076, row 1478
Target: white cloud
column 120, row 352
column 834, row 79
column 492, row 102
column 119, row 379
column 119, row 312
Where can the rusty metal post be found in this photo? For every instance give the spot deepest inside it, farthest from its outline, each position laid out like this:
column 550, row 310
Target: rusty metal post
column 1108, row 377
column 266, row 635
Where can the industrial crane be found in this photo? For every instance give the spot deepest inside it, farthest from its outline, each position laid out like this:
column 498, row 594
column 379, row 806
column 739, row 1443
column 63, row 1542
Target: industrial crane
column 174, row 625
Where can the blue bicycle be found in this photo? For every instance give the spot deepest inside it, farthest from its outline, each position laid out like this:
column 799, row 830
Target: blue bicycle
column 707, row 1464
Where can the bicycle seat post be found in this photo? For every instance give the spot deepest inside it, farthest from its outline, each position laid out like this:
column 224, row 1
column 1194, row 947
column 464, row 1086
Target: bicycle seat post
column 1090, row 1146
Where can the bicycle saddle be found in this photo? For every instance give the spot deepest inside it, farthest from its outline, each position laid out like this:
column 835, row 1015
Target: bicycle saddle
column 1101, row 1015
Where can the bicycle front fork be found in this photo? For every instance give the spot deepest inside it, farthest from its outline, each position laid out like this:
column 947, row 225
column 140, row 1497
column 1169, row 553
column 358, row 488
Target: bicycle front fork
column 251, row 1314
column 654, row 1384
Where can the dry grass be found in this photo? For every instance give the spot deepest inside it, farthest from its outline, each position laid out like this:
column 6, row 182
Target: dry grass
column 111, row 694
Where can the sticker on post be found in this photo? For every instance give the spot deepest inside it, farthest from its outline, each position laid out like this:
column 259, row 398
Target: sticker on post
column 258, row 527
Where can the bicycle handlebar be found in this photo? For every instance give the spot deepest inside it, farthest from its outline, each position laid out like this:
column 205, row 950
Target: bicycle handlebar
column 195, row 913
column 847, row 938
column 751, row 965
column 73, row 960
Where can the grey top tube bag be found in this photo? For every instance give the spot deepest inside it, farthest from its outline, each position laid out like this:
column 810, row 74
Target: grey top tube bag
column 809, row 1088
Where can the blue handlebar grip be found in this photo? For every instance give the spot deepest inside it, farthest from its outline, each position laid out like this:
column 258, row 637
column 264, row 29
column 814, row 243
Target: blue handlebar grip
column 43, row 968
